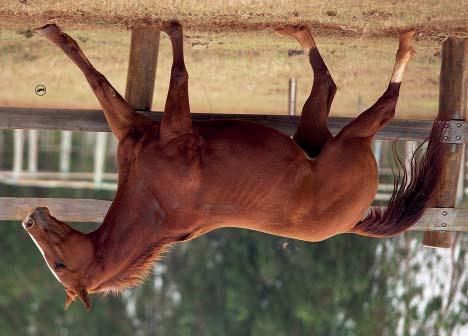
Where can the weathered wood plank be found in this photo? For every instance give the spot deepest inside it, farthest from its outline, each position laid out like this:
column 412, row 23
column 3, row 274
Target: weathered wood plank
column 141, row 74
column 37, row 183
column 443, row 220
column 437, row 239
column 94, row 121
column 91, row 210
column 54, row 175
column 453, row 102
column 71, row 210
column 454, row 77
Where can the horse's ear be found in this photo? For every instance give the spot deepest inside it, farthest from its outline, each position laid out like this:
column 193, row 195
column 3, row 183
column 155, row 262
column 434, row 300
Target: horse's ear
column 83, row 295
column 70, row 298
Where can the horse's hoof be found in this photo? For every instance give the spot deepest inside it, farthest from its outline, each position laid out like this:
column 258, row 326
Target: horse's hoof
column 405, row 43
column 290, row 30
column 48, row 29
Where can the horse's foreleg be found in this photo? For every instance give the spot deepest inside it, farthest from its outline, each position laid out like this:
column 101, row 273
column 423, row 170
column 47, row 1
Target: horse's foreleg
column 312, row 132
column 120, row 116
column 176, row 119
column 378, row 115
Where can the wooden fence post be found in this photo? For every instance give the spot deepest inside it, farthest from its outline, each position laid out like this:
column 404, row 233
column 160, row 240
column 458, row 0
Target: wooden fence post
column 377, row 150
column 142, row 68
column 18, row 152
column 33, row 150
column 292, row 97
column 65, row 151
column 2, row 141
column 452, row 99
column 100, row 157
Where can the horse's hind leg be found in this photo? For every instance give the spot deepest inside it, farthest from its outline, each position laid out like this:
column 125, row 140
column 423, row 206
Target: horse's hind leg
column 176, row 119
column 312, row 132
column 120, row 116
column 378, row 115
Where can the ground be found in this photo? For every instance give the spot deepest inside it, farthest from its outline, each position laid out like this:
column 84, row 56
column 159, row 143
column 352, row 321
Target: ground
column 235, row 61
column 433, row 18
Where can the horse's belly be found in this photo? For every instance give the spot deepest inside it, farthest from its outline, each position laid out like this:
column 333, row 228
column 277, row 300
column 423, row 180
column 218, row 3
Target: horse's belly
column 336, row 195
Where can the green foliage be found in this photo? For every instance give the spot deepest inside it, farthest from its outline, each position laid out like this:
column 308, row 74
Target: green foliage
column 231, row 282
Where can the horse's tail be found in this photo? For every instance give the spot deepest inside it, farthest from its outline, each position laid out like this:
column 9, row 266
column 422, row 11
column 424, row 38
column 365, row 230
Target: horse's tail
column 413, row 191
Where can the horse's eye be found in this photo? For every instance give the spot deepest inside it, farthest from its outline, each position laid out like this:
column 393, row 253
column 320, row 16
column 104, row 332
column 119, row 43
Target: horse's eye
column 59, row 266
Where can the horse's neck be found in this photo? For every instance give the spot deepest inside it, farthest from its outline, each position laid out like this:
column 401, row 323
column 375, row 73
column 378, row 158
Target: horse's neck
column 132, row 226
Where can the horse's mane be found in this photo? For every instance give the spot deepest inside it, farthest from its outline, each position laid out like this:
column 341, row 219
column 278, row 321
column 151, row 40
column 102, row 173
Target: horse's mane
column 136, row 272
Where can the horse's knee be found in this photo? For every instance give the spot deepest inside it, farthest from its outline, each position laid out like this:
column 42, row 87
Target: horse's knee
column 325, row 82
column 173, row 29
column 179, row 76
column 96, row 81
column 100, row 85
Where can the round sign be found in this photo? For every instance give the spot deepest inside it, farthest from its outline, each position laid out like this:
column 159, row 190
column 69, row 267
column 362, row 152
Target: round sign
column 40, row 90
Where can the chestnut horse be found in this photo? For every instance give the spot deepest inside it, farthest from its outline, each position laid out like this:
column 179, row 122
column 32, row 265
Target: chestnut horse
column 179, row 180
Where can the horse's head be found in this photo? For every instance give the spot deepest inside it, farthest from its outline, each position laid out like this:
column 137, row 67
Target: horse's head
column 68, row 252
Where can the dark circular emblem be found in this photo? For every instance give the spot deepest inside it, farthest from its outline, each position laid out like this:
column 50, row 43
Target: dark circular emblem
column 40, row 90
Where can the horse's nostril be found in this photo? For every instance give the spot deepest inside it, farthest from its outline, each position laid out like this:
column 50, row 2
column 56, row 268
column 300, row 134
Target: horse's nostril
column 29, row 223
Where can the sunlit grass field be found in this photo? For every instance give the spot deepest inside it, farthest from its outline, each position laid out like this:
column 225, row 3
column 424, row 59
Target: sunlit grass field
column 230, row 72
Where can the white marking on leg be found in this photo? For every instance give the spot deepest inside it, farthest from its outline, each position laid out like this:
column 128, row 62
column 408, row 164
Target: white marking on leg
column 400, row 66
column 398, row 72
column 402, row 60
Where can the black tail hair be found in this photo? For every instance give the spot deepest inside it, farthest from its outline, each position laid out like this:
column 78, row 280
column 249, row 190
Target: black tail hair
column 411, row 194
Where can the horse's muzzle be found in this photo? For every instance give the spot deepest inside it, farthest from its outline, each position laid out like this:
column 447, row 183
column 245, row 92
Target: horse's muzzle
column 37, row 214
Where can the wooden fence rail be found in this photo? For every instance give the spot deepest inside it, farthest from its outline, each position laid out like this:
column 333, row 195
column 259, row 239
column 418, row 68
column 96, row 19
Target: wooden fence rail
column 92, row 210
column 453, row 101
column 94, row 121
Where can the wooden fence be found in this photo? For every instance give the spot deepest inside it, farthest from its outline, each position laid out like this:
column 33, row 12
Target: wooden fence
column 91, row 210
column 94, row 121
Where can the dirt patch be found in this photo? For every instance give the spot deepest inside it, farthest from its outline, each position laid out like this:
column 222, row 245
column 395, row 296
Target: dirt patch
column 433, row 30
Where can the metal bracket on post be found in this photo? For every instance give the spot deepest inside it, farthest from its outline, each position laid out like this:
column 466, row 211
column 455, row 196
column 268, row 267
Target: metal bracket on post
column 454, row 132
column 445, row 220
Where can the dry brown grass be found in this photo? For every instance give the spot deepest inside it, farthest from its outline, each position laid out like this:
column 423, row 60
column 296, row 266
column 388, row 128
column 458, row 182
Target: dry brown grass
column 229, row 72
column 434, row 18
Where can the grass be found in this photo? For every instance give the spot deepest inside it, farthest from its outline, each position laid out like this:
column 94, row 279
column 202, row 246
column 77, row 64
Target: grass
column 350, row 17
column 232, row 72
